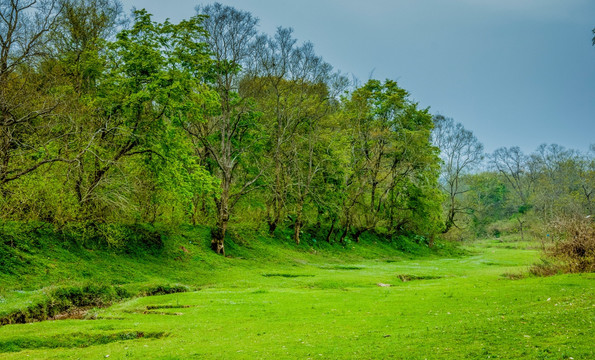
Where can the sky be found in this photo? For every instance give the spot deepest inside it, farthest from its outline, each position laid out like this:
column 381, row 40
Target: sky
column 515, row 72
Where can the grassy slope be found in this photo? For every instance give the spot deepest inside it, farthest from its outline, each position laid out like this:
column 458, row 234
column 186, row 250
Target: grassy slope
column 38, row 261
column 298, row 304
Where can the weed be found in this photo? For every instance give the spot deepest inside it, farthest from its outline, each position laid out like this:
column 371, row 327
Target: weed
column 164, row 290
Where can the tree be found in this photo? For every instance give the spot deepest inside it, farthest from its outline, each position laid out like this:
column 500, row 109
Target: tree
column 486, row 199
column 82, row 29
column 150, row 81
column 229, row 136
column 460, row 152
column 514, row 166
column 564, row 181
column 294, row 89
column 393, row 168
column 28, row 122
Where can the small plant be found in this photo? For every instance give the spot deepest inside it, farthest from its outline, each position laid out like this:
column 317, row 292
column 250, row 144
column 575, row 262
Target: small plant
column 545, row 268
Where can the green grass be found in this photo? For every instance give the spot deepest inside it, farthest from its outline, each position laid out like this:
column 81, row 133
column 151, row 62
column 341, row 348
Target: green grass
column 325, row 303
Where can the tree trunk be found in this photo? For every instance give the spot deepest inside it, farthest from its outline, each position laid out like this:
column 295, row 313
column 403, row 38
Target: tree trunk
column 277, row 197
column 296, row 231
column 342, row 240
column 450, row 218
column 328, row 236
column 521, row 228
column 272, row 226
column 298, row 223
column 357, row 234
column 218, row 235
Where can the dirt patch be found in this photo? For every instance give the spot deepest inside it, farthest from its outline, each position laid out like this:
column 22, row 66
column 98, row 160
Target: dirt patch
column 409, row 277
column 343, row 267
column 155, row 307
column 287, row 275
column 513, row 276
column 149, row 312
column 73, row 313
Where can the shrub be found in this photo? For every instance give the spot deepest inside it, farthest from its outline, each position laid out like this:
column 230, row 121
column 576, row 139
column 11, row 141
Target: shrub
column 545, row 268
column 164, row 290
column 574, row 243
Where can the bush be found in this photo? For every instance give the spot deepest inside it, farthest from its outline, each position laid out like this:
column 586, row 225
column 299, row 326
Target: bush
column 574, row 243
column 545, row 268
column 164, row 290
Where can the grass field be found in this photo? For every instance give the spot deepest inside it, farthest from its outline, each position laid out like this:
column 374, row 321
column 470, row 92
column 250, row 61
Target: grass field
column 319, row 307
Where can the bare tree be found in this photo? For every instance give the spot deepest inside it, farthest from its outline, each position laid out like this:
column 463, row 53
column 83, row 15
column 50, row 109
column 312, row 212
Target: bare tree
column 460, row 152
column 515, row 168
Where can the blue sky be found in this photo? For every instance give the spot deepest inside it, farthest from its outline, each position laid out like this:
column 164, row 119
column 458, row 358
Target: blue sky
column 515, row 72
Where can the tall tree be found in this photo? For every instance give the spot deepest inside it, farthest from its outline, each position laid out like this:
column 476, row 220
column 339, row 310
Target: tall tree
column 460, row 152
column 294, row 89
column 82, row 30
column 564, row 181
column 229, row 136
column 393, row 165
column 486, row 199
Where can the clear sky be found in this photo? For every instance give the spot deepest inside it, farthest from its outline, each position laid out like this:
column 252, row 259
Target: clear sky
column 515, row 72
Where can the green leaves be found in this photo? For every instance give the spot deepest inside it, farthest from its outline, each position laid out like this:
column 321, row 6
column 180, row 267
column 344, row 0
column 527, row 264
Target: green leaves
column 394, row 167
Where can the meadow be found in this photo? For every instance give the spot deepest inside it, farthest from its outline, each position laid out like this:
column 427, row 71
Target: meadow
column 318, row 305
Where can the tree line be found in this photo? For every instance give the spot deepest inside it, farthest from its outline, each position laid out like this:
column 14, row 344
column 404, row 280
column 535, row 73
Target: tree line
column 108, row 119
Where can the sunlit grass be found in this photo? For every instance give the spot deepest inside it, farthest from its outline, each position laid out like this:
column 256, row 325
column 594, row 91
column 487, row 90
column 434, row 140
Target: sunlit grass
column 314, row 308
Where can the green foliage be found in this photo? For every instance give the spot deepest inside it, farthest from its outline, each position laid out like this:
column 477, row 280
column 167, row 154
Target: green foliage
column 160, row 125
column 64, row 298
column 393, row 172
